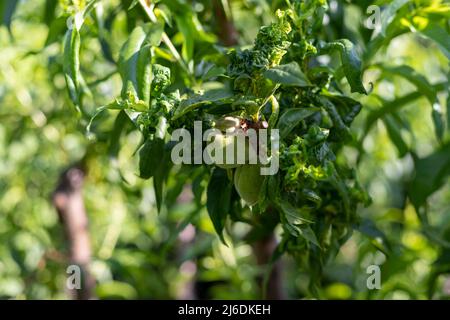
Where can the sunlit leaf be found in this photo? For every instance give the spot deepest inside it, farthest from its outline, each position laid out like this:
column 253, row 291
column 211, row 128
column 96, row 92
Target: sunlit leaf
column 288, row 74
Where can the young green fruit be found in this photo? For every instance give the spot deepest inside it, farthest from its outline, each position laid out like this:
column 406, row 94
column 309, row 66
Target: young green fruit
column 248, row 182
column 240, row 147
column 227, row 142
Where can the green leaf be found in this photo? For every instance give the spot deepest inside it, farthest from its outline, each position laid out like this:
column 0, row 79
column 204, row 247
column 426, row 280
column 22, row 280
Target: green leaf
column 295, row 222
column 339, row 126
column 389, row 13
column 338, row 183
column 424, row 87
column 135, row 61
column 150, row 157
column 220, row 95
column 394, row 134
column 415, row 78
column 160, row 174
column 439, row 35
column 288, row 74
column 104, row 29
column 275, row 109
column 49, row 12
column 120, row 124
column 154, row 161
column 438, row 120
column 199, row 186
column 293, row 215
column 187, row 29
column 115, row 290
column 368, row 228
column 56, row 29
column 351, row 64
column 7, row 9
column 308, row 234
column 292, row 117
column 395, row 105
column 218, row 199
column 347, row 107
column 430, row 174
column 448, row 113
column 133, row 4
column 214, row 72
column 71, row 65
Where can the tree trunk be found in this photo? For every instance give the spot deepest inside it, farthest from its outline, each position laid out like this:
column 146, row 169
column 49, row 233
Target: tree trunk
column 68, row 201
column 263, row 250
column 226, row 30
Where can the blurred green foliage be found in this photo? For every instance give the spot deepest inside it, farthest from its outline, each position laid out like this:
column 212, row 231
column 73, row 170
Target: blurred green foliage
column 401, row 155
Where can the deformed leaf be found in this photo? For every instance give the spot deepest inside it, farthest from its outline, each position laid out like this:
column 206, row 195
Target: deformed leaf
column 351, row 64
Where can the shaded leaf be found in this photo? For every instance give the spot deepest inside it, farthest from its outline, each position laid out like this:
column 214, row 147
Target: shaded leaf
column 160, row 174
column 49, row 11
column 394, row 134
column 291, row 118
column 340, row 129
column 7, row 9
column 218, row 199
column 431, row 173
column 56, row 29
column 114, row 138
column 438, row 120
column 395, row 105
column 369, row 229
column 150, row 157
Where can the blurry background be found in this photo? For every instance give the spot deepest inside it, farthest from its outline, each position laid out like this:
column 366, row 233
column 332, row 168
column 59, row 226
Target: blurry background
column 137, row 253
